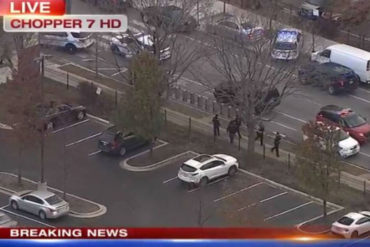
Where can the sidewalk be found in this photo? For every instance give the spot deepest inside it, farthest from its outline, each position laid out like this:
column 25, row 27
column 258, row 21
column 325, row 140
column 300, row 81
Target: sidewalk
column 203, row 124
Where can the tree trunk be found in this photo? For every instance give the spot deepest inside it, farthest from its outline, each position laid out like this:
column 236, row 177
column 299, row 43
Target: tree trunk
column 20, row 151
column 324, row 207
column 251, row 135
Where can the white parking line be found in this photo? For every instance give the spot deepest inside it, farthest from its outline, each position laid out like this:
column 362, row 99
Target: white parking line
column 359, row 98
column 288, row 211
column 4, row 206
column 119, row 72
column 285, row 126
column 237, row 192
column 365, row 154
column 169, row 180
column 70, row 126
column 292, row 117
column 28, row 218
column 84, row 139
column 214, row 182
column 94, row 153
column 262, row 201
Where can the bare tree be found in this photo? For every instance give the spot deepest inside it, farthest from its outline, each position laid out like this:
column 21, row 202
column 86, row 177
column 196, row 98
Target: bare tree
column 317, row 158
column 249, row 79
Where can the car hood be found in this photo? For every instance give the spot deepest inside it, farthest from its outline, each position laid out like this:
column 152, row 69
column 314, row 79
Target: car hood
column 348, row 143
column 362, row 129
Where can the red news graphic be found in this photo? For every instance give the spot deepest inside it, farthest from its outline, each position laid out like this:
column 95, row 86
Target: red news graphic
column 154, row 233
column 32, row 7
column 49, row 16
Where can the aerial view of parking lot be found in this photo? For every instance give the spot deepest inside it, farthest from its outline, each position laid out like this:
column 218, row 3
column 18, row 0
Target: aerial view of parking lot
column 199, row 113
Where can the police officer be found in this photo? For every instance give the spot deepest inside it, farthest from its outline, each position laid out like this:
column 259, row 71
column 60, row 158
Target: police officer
column 216, row 125
column 276, row 143
column 260, row 133
column 231, row 130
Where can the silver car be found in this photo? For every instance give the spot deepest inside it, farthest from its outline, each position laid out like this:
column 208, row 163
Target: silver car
column 6, row 221
column 45, row 204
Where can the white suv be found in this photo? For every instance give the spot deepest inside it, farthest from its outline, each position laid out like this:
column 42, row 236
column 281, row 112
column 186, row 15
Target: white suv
column 203, row 168
column 70, row 41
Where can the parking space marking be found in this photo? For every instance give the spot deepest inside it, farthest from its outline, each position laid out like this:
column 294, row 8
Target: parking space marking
column 169, row 180
column 84, row 139
column 214, row 182
column 4, row 206
column 292, row 117
column 288, row 211
column 28, row 218
column 359, row 98
column 262, row 201
column 70, row 126
column 237, row 192
column 123, row 70
column 94, row 153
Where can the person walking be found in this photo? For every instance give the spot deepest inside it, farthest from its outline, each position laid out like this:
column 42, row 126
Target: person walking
column 276, row 144
column 216, row 126
column 231, row 130
column 260, row 133
column 238, row 124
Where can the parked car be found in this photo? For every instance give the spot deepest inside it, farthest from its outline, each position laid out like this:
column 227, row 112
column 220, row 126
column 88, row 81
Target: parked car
column 6, row 221
column 225, row 93
column 170, row 18
column 287, row 44
column 310, row 11
column 347, row 146
column 203, row 168
column 348, row 120
column 352, row 225
column 329, row 76
column 129, row 45
column 116, row 142
column 356, row 59
column 53, row 116
column 70, row 41
column 228, row 26
column 45, row 204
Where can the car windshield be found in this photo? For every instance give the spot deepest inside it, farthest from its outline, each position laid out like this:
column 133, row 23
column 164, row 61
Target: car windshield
column 354, row 120
column 286, row 46
column 80, row 35
column 54, row 200
column 188, row 168
column 246, row 25
column 345, row 221
column 342, row 135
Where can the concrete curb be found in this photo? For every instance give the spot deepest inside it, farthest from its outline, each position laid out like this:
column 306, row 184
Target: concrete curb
column 106, row 122
column 102, row 209
column 5, row 127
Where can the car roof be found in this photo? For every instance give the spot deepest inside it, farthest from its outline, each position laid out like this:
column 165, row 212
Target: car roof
column 287, row 35
column 350, row 50
column 42, row 194
column 198, row 161
column 354, row 216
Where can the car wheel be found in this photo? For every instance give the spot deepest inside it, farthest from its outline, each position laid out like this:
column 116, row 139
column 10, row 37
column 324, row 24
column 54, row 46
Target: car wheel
column 122, row 151
column 71, row 49
column 80, row 115
column 232, row 171
column 354, row 234
column 42, row 215
column 203, row 182
column 331, row 90
column 14, row 205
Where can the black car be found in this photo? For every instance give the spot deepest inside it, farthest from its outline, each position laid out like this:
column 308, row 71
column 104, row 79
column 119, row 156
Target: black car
column 116, row 142
column 53, row 116
column 330, row 76
column 227, row 94
column 169, row 18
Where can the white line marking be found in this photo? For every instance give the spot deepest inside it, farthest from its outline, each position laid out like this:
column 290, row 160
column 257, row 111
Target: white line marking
column 70, row 126
column 285, row 126
column 288, row 211
column 214, row 182
column 94, row 153
column 28, row 218
column 273, row 197
column 262, row 201
column 5, row 206
column 119, row 72
column 169, row 180
column 237, row 192
column 359, row 98
column 292, row 117
column 84, row 139
column 365, row 154
column 99, row 120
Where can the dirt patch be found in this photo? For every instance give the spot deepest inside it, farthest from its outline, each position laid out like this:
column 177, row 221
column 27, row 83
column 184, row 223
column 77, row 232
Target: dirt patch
column 76, row 205
column 89, row 75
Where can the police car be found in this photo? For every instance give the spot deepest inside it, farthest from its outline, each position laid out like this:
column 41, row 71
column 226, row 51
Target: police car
column 287, row 44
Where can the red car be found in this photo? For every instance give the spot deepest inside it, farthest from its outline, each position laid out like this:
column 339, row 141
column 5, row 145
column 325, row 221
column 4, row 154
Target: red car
column 351, row 122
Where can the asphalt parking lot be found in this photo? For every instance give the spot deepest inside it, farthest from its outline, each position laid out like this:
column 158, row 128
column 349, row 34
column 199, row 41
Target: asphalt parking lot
column 244, row 197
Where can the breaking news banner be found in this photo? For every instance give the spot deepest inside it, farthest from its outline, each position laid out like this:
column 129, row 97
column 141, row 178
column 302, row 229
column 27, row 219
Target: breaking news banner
column 50, row 16
column 169, row 237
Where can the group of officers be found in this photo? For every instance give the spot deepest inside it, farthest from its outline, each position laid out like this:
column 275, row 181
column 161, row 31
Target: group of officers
column 233, row 128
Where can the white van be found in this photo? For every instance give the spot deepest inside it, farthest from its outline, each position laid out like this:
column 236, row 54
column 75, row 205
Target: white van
column 70, row 41
column 356, row 59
